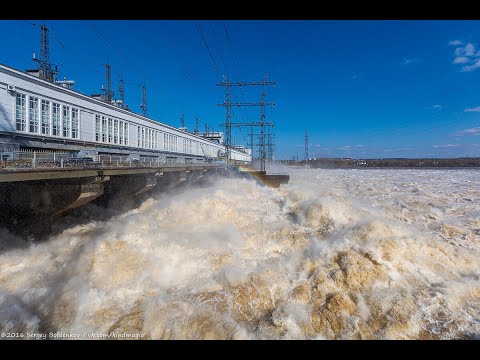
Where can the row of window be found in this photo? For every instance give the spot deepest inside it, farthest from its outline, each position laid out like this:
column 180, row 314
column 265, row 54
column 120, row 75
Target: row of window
column 110, row 130
column 45, row 117
column 40, row 116
column 157, row 140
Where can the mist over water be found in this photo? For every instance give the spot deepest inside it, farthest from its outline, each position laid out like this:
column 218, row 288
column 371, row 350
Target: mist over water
column 335, row 254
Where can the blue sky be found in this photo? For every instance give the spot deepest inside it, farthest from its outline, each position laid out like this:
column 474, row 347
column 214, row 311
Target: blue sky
column 361, row 88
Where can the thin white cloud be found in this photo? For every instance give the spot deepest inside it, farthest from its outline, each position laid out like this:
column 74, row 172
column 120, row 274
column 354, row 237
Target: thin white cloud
column 467, row 56
column 469, row 132
column 459, row 51
column 461, row 60
column 345, row 147
column 473, row 109
column 472, row 67
column 437, row 107
column 455, row 42
column 399, row 149
column 469, row 49
column 447, row 146
column 408, row 61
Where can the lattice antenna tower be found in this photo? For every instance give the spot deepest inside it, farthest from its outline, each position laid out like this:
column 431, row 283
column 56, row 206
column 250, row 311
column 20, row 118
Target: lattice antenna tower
column 108, row 92
column 143, row 105
column 46, row 70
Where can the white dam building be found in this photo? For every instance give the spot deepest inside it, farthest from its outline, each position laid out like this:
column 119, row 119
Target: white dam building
column 38, row 114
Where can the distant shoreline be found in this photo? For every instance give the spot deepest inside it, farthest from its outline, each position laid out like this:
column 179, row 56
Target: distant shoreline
column 411, row 168
column 399, row 163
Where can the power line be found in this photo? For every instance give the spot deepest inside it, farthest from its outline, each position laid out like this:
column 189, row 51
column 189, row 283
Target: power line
column 235, row 68
column 219, row 51
column 204, row 41
column 263, row 124
column 119, row 52
column 187, row 67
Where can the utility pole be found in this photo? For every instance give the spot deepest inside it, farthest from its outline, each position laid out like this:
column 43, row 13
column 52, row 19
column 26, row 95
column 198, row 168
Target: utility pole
column 143, row 105
column 108, row 84
column 228, row 124
column 45, row 69
column 121, row 91
column 270, row 144
column 228, row 116
column 183, row 120
column 251, row 140
column 306, row 145
column 262, row 150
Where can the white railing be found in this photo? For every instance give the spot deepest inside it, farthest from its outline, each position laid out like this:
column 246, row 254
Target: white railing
column 41, row 159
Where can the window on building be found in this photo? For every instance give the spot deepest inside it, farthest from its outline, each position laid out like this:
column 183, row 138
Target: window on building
column 143, row 137
column 139, row 136
column 115, row 131
column 33, row 115
column 56, row 119
column 98, row 128
column 66, row 121
column 126, row 135
column 21, row 112
column 75, row 123
column 104, row 128
column 45, row 117
column 120, row 132
column 110, row 129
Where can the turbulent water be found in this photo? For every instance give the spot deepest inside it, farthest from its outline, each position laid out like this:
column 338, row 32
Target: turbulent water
column 335, row 254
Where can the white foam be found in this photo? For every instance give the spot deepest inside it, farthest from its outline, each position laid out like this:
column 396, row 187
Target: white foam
column 333, row 254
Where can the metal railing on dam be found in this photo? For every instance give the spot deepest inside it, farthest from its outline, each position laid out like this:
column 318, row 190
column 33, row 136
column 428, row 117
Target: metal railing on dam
column 32, row 165
column 45, row 159
column 15, row 175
